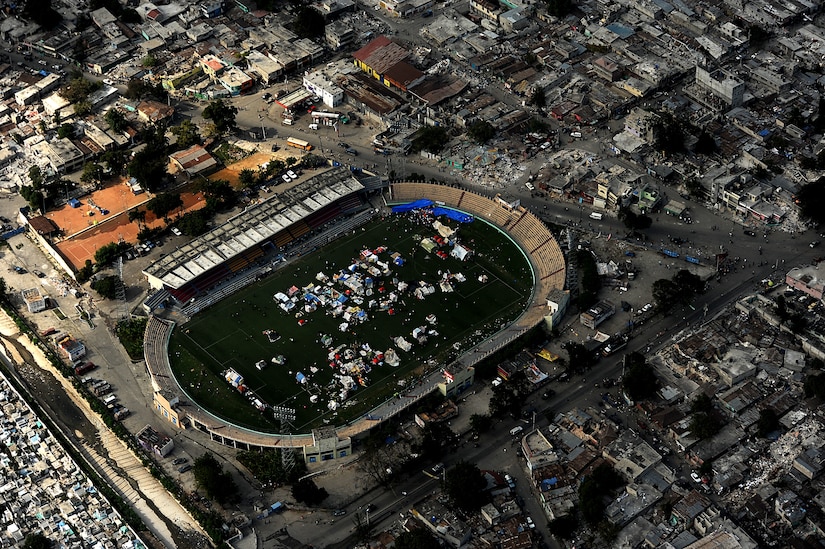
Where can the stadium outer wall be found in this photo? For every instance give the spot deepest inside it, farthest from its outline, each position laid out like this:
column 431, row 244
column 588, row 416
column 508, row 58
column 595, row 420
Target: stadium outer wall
column 525, row 229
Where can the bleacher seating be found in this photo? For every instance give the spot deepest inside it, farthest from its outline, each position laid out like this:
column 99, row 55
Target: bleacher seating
column 299, row 229
column 282, row 238
column 350, row 203
column 524, row 227
column 322, row 216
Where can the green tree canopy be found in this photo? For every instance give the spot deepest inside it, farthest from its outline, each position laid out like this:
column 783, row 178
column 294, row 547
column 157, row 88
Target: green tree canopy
column 65, row 130
column 138, row 89
column 593, row 491
column 309, row 23
column 702, row 403
column 213, row 480
column 79, row 88
column 247, row 177
column 639, row 381
column 465, row 487
column 670, row 138
column 768, row 422
column 115, row 160
column 811, row 197
column 92, row 173
column 430, row 138
column 115, row 119
column 420, row 538
column 164, row 203
column 306, row 491
column 481, row 423
column 42, row 13
column 186, row 133
column 221, row 114
column 267, row 466
column 579, row 359
column 481, row 132
column 194, row 223
column 107, row 286
column 106, row 254
column 704, row 425
column 634, row 221
column 705, row 143
column 559, row 8
column 815, row 386
column 218, row 193
column 37, row 541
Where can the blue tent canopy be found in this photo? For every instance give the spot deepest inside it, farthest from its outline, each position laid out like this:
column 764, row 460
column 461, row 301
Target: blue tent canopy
column 455, row 215
column 423, row 203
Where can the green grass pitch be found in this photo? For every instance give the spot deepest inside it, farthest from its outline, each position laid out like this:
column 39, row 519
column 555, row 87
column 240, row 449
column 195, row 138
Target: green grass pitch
column 230, row 333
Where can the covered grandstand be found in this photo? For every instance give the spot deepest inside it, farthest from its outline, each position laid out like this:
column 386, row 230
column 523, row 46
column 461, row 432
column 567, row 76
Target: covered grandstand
column 238, row 243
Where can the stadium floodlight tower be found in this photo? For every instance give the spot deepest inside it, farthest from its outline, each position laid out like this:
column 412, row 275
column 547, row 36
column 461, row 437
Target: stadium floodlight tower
column 120, row 289
column 287, row 416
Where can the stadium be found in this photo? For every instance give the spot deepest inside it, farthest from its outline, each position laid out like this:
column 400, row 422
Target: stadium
column 307, row 217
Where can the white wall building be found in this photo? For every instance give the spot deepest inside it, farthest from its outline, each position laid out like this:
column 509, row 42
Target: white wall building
column 319, row 83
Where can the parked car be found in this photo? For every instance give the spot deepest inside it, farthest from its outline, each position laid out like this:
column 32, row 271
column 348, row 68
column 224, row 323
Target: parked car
column 291, row 174
column 38, row 274
column 352, row 151
column 267, row 96
column 286, row 178
column 108, row 81
column 313, row 126
column 343, row 145
column 749, row 232
column 182, row 469
column 339, row 512
column 274, row 148
column 176, row 231
column 179, row 461
column 814, row 244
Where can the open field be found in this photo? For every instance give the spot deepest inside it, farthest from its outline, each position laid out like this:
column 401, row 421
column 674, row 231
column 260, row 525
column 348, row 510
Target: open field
column 230, row 334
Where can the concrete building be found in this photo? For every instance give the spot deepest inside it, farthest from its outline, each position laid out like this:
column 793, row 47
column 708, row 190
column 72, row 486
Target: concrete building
column 326, row 446
column 155, row 112
column 235, row 81
column 807, row 280
column 642, row 124
column 35, row 301
column 538, row 451
column 166, row 405
column 456, row 381
column 319, row 83
column 267, row 69
column 722, row 84
column 72, row 348
column 442, row 522
column 339, row 35
column 155, row 442
column 63, row 155
column 736, row 365
column 597, row 314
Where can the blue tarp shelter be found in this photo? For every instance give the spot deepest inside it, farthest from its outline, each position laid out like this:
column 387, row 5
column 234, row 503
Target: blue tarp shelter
column 423, row 203
column 455, row 215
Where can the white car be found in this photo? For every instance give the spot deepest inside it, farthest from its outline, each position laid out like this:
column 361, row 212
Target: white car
column 291, row 174
column 108, row 82
column 530, row 186
column 175, row 231
column 286, row 178
column 313, row 126
column 696, row 478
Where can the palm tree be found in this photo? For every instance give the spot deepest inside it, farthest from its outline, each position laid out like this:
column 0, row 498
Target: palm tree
column 137, row 215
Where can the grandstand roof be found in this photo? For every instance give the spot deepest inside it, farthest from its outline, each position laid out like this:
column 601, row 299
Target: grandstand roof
column 253, row 226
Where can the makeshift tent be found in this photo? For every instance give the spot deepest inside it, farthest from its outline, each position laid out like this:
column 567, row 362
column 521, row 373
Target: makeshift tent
column 461, row 217
column 300, row 378
column 402, row 208
column 461, row 253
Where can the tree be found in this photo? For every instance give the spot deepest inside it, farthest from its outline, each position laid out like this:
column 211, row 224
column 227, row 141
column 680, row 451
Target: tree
column 564, row 527
column 186, row 134
column 92, row 173
column 815, row 386
column 131, row 16
column 163, row 204
column 639, row 381
column 36, row 176
column 291, row 161
column 420, row 538
column 704, row 425
column 83, row 108
column 106, row 254
column 705, row 143
column 65, row 130
column 194, row 223
column 811, row 197
column 138, row 89
column 247, row 177
column 37, row 541
column 309, row 23
column 579, row 359
column 85, row 273
column 702, row 403
column 306, row 491
column 594, row 489
column 213, row 480
column 768, row 422
column 115, row 119
column 430, row 138
column 436, row 437
column 465, row 486
column 267, row 466
column 669, row 135
column 221, row 114
column 218, row 193
column 539, row 98
column 130, row 333
column 481, row 132
column 149, row 61
column 481, row 423
column 33, row 197
column 106, row 286
column 115, row 160
column 634, row 221
column 42, row 13
column 137, row 215
column 559, row 8
column 148, row 169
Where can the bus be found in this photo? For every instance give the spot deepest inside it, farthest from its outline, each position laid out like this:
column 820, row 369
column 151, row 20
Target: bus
column 298, row 144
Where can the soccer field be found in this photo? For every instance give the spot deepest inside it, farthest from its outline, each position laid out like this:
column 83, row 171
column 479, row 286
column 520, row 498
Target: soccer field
column 320, row 352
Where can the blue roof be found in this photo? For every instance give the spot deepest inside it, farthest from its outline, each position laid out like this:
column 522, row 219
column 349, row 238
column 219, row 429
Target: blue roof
column 621, row 30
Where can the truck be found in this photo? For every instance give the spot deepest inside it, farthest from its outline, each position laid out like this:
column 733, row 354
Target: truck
column 101, row 388
column 110, row 400
column 121, row 413
column 596, row 215
column 84, row 367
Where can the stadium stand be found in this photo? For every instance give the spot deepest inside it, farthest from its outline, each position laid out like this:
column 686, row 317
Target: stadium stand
column 527, row 230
